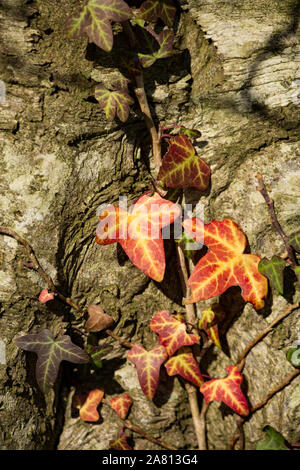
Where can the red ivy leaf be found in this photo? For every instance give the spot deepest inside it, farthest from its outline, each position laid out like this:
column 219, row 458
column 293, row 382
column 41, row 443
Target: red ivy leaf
column 163, row 9
column 88, row 404
column 121, row 405
column 184, row 364
column 227, row 390
column 172, row 332
column 45, row 296
column 139, row 231
column 182, row 168
column 225, row 265
column 148, row 366
column 50, row 354
column 120, row 443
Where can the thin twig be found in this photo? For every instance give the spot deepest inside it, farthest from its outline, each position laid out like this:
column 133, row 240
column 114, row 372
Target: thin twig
column 270, row 203
column 241, row 362
column 199, row 424
column 37, row 267
column 141, row 95
column 251, row 345
column 275, row 390
column 262, row 403
column 128, row 424
column 121, row 341
column 138, row 430
column 202, row 420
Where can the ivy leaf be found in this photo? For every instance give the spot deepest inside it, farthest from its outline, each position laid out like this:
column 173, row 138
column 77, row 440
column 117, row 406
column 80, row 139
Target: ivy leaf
column 273, row 440
column 45, row 296
column 120, row 443
column 50, row 354
column 160, row 46
column 95, row 18
column 98, row 320
column 182, row 168
column 88, row 404
column 227, row 390
column 171, row 332
column 97, row 353
column 148, row 366
column 139, row 231
column 130, row 62
column 121, row 405
column 114, row 102
column 224, row 265
column 294, row 241
column 184, row 364
column 273, row 270
column 151, row 10
column 293, row 354
column 209, row 322
column 77, row 23
column 191, row 133
column 188, row 245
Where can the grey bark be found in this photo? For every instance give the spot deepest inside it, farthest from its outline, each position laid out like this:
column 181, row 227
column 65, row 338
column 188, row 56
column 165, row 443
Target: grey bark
column 237, row 79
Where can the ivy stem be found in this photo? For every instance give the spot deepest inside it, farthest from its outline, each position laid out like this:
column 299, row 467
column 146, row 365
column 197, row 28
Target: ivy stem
column 140, row 93
column 270, row 203
column 121, row 341
column 262, row 403
column 128, row 424
column 238, row 435
column 285, row 313
column 141, row 96
column 198, row 419
column 37, row 267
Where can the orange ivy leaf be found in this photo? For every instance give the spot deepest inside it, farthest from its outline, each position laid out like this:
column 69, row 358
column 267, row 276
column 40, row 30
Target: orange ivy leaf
column 171, row 332
column 88, row 404
column 184, row 364
column 121, row 405
column 148, row 366
column 120, row 443
column 225, row 264
column 182, row 168
column 139, row 231
column 209, row 322
column 227, row 390
column 45, row 296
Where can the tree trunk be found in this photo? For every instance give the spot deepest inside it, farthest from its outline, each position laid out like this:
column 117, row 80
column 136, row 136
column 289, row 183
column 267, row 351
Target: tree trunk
column 237, row 79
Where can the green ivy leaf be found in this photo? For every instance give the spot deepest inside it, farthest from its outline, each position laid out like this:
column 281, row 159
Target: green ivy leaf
column 293, row 354
column 273, row 270
column 189, row 244
column 273, row 441
column 50, row 354
column 191, row 133
column 294, row 241
column 297, row 272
